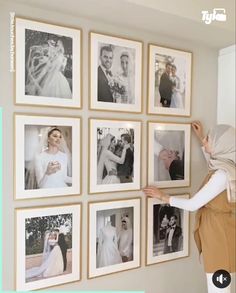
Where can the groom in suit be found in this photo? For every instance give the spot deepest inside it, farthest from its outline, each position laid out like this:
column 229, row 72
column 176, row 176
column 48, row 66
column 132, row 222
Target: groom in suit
column 104, row 74
column 166, row 87
column 125, row 170
column 173, row 234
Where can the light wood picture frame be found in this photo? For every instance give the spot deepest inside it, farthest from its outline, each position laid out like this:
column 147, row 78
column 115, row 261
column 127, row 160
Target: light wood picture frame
column 48, row 246
column 167, row 231
column 169, row 146
column 119, row 222
column 47, row 156
column 48, row 64
column 169, row 81
column 114, row 155
column 116, row 65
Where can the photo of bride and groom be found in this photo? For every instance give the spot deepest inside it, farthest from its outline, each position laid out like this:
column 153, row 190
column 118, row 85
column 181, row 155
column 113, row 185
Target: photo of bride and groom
column 48, row 247
column 115, row 155
column 169, row 149
column 170, row 80
column 116, row 74
column 114, row 241
column 48, row 65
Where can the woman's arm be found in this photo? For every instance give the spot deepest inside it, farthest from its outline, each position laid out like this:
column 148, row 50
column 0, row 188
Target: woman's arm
column 209, row 191
column 117, row 159
column 216, row 184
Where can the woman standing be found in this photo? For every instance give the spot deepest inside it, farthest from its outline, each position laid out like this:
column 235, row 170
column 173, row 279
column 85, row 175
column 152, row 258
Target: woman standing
column 215, row 228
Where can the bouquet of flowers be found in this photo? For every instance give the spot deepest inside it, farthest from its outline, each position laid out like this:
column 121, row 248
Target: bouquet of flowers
column 116, row 85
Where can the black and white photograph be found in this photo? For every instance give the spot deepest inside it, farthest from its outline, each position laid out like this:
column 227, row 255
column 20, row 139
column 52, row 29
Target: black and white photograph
column 170, row 148
column 47, row 156
column 50, row 73
column 170, row 81
column 47, row 246
column 114, row 84
column 114, row 236
column 116, row 154
column 167, row 231
column 48, row 65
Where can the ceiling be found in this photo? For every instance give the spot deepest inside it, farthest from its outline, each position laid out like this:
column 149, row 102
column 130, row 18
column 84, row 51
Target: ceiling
column 176, row 18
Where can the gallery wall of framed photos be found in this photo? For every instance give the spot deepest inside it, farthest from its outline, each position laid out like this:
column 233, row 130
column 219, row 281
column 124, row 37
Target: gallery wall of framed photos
column 89, row 115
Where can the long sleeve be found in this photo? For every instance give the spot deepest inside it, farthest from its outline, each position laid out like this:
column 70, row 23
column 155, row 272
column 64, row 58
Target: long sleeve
column 216, row 184
column 116, row 159
column 40, row 173
column 206, row 155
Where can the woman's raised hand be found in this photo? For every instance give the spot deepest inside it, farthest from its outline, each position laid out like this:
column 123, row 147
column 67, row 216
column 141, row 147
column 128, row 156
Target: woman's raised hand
column 198, row 129
column 53, row 167
column 155, row 192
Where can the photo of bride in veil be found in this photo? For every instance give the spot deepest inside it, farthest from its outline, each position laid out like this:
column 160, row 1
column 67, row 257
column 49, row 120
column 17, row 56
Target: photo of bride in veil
column 115, row 155
column 48, row 246
column 47, row 156
column 48, row 161
column 48, row 62
column 114, row 148
column 48, row 65
column 169, row 81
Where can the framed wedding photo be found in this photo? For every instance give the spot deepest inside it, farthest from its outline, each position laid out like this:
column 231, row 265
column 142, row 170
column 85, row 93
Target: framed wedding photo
column 47, row 156
column 169, row 87
column 114, row 155
column 114, row 236
column 168, row 154
column 48, row 64
column 115, row 73
column 48, row 246
column 167, row 231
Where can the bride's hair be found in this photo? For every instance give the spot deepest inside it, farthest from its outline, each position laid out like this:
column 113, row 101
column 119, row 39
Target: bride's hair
column 111, row 147
column 52, row 130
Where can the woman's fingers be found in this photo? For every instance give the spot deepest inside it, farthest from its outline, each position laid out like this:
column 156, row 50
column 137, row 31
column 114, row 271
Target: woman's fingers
column 151, row 191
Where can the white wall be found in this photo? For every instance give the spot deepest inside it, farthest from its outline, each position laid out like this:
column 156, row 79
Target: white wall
column 180, row 276
column 226, row 86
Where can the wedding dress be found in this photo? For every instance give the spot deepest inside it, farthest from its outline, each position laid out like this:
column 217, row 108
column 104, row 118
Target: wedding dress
column 52, row 263
column 56, row 85
column 55, row 180
column 176, row 98
column 108, row 253
column 44, row 72
column 128, row 83
column 109, row 160
column 111, row 177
